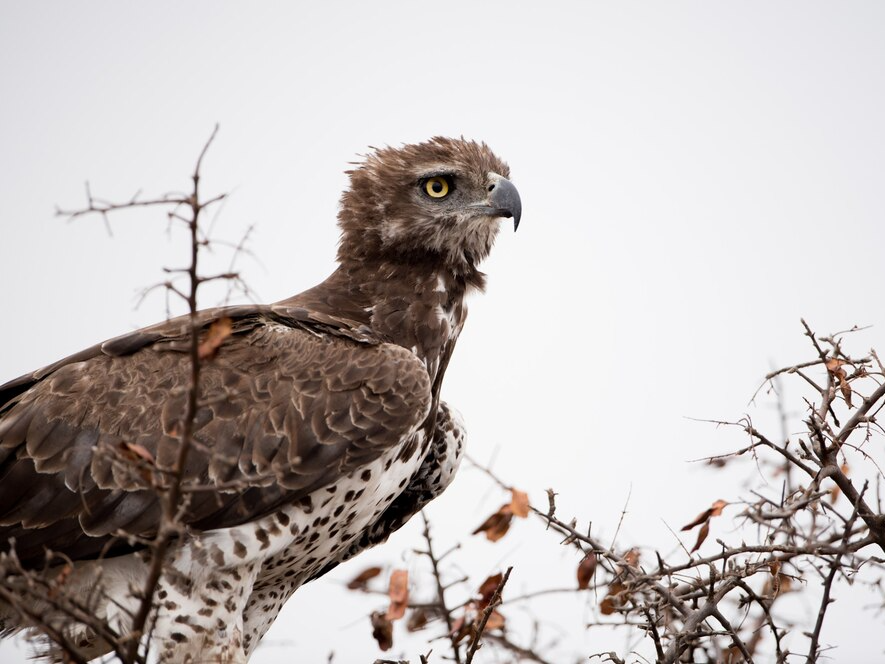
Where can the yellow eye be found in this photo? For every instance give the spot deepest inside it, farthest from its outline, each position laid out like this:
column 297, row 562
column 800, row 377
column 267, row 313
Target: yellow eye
column 437, row 187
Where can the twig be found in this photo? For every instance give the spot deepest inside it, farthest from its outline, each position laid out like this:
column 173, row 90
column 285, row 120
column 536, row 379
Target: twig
column 494, row 602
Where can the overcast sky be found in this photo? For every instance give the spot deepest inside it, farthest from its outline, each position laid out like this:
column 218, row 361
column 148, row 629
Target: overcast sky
column 695, row 176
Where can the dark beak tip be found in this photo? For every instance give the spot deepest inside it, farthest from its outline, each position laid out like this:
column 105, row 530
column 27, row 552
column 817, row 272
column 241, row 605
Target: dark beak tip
column 505, row 197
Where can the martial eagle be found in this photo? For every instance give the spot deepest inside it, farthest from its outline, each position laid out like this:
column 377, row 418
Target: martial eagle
column 320, row 429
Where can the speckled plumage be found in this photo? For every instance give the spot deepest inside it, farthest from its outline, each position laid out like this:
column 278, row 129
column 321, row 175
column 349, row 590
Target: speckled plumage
column 320, row 430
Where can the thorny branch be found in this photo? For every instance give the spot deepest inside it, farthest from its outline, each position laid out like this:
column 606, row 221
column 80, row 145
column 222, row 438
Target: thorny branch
column 171, row 495
column 19, row 585
column 811, row 518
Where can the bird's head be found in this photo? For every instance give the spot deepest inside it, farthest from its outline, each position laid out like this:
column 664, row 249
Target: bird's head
column 441, row 200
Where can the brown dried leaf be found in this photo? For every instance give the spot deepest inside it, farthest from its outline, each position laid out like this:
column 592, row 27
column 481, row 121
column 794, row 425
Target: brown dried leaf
column 417, row 620
column 495, row 621
column 845, row 388
column 714, row 510
column 361, row 580
column 399, row 594
column 60, row 580
column 611, row 601
column 733, row 656
column 487, row 590
column 519, row 503
column 461, row 629
column 835, row 491
column 497, row 525
column 632, row 557
column 777, row 584
column 219, row 330
column 785, row 583
column 586, row 570
column 834, row 494
column 702, row 535
column 136, row 451
column 717, row 507
column 834, row 366
column 382, row 630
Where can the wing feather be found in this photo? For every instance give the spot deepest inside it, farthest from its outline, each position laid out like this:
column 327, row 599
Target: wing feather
column 293, row 407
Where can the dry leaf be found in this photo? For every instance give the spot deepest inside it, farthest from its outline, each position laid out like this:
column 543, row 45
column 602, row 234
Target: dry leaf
column 586, row 570
column 136, row 451
column 785, row 583
column 487, row 590
column 835, row 491
column 845, row 388
column 382, row 630
column 495, row 621
column 497, row 525
column 219, row 330
column 777, row 585
column 733, row 656
column 361, row 580
column 834, row 366
column 60, row 580
column 632, row 557
column 611, row 601
column 461, row 629
column 417, row 620
column 702, row 535
column 399, row 594
column 519, row 503
column 834, row 494
column 717, row 507
column 714, row 510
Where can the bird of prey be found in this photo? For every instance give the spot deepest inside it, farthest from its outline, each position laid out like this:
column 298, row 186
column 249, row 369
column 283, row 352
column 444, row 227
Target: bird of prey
column 319, row 428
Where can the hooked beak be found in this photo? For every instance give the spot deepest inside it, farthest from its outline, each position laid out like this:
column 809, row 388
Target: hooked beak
column 503, row 201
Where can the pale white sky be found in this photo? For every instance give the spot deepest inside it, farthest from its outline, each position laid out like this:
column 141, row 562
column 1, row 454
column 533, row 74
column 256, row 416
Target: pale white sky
column 695, row 177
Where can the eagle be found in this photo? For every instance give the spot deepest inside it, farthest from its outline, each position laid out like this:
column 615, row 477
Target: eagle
column 319, row 428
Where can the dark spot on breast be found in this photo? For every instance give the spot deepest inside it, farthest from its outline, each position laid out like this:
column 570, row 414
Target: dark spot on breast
column 239, row 549
column 178, row 637
column 283, row 518
column 366, row 475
